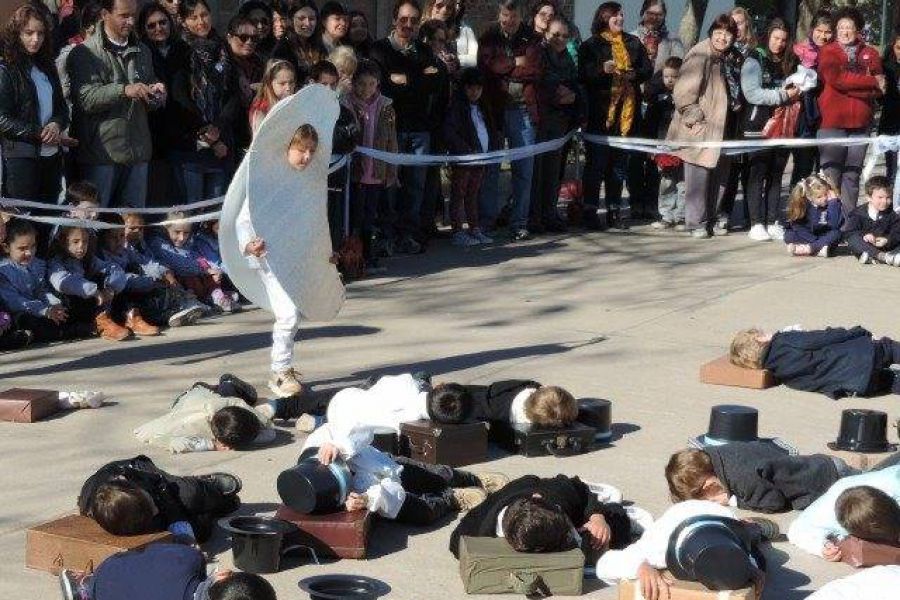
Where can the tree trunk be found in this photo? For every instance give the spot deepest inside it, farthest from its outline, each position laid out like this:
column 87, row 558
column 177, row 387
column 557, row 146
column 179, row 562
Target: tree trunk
column 689, row 29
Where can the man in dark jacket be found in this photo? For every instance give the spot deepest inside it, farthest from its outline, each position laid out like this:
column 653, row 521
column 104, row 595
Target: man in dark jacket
column 568, row 495
column 757, row 475
column 837, row 362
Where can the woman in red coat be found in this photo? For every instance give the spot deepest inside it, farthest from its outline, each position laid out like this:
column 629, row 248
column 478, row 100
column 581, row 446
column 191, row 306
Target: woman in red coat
column 852, row 79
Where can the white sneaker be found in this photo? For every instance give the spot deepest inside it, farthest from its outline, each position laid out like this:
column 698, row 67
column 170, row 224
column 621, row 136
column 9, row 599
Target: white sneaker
column 285, row 383
column 662, row 224
column 222, row 301
column 461, row 238
column 825, row 252
column 308, row 423
column 865, row 259
column 187, row 316
column 892, row 259
column 700, row 234
column 82, row 399
column 758, row 233
column 479, row 235
column 775, row 231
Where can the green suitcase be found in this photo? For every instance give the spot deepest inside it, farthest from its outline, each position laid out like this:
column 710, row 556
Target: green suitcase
column 491, row 566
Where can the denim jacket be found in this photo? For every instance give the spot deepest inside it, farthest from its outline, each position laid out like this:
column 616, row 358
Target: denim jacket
column 23, row 288
column 67, row 276
column 184, row 261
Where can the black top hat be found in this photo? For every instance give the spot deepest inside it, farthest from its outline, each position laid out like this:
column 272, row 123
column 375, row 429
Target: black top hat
column 343, row 587
column 596, row 413
column 714, row 551
column 311, row 487
column 863, row 431
column 732, row 423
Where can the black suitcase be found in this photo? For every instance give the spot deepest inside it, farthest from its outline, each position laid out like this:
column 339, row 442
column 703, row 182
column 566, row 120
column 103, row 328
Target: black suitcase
column 530, row 440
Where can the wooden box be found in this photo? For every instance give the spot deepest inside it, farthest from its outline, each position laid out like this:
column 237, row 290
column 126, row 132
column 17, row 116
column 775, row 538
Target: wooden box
column 21, row 405
column 529, row 440
column 441, row 444
column 76, row 542
column 341, row 534
column 630, row 589
column 859, row 460
column 722, row 372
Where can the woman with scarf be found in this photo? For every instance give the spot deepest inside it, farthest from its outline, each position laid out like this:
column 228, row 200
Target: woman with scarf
column 762, row 78
column 852, row 79
column 246, row 73
column 202, row 145
column 703, row 113
column 654, row 35
column 820, row 33
column 302, row 44
column 612, row 66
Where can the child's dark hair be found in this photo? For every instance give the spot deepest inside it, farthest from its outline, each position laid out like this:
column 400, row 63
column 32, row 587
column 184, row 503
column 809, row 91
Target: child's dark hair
column 366, row 68
column 673, row 62
column 234, row 426
column 449, row 403
column 242, row 586
column 18, row 228
column 59, row 242
column 535, row 525
column 323, row 67
column 878, row 182
column 869, row 514
column 470, row 76
column 82, row 191
column 304, row 133
column 121, row 508
column 429, row 28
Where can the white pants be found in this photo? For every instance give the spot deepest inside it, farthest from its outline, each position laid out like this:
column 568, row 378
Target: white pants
column 286, row 322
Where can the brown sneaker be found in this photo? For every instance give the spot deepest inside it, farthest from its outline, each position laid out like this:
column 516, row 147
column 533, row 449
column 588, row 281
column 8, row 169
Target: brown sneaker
column 491, row 482
column 285, row 383
column 468, row 498
column 109, row 329
column 135, row 322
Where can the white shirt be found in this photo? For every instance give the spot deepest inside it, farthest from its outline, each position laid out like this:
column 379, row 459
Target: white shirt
column 245, row 233
column 517, row 408
column 652, row 547
column 875, row 583
column 480, row 127
column 873, row 214
column 45, row 104
column 394, row 399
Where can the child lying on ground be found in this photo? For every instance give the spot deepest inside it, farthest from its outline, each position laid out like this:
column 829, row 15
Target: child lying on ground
column 863, row 505
column 134, row 496
column 541, row 515
column 523, row 401
column 753, row 476
column 400, row 488
column 837, row 362
column 162, row 572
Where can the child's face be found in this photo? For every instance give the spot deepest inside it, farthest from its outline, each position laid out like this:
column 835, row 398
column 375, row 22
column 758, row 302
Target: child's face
column 114, row 240
column 820, row 199
column 84, row 210
column 284, row 84
column 365, row 87
column 880, row 199
column 179, row 234
column 134, row 229
column 328, row 79
column 21, row 249
column 670, row 76
column 473, row 93
column 214, row 228
column 300, row 154
column 77, row 242
column 714, row 491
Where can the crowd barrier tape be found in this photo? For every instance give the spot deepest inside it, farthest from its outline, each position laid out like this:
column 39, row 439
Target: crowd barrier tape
column 880, row 145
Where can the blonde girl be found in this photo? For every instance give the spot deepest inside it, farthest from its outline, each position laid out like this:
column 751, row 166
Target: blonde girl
column 813, row 217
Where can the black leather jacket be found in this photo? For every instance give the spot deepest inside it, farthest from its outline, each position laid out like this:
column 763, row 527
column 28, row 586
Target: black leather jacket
column 20, row 126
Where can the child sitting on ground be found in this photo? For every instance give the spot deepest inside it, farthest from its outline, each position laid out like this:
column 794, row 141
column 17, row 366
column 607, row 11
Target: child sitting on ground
column 134, row 496
column 524, row 401
column 541, row 515
column 206, row 243
column 174, row 249
column 837, row 362
column 753, row 476
column 814, row 218
column 864, row 506
column 91, row 288
column 162, row 571
column 660, row 108
column 396, row 487
column 873, row 230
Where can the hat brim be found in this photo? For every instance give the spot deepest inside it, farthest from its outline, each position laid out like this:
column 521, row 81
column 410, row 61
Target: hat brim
column 863, row 447
column 703, row 441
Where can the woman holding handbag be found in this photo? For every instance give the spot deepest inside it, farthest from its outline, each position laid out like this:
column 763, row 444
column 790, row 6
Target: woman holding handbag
column 762, row 78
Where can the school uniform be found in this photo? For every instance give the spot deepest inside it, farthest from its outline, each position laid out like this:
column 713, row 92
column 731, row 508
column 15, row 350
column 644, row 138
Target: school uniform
column 820, row 227
column 812, row 528
column 502, row 401
column 161, row 571
column 143, row 286
column 26, row 294
column 79, row 285
column 837, row 362
column 185, row 262
column 207, row 246
column 762, row 478
column 570, row 494
column 863, row 220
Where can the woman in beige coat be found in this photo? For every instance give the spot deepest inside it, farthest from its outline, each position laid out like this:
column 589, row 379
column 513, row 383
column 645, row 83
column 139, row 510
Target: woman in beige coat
column 701, row 111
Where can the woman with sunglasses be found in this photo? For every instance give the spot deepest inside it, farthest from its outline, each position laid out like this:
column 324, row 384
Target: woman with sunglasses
column 201, row 141
column 246, row 74
column 302, row 44
column 262, row 16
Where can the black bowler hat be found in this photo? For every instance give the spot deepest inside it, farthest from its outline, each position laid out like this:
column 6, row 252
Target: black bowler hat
column 730, row 423
column 311, row 487
column 714, row 551
column 863, row 431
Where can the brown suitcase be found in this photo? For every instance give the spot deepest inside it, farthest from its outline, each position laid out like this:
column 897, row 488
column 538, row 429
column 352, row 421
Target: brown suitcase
column 441, row 444
column 21, row 405
column 722, row 372
column 630, row 589
column 341, row 534
column 76, row 542
column 860, row 553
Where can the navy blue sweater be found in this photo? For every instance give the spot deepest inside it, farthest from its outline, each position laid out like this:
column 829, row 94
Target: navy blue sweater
column 819, row 228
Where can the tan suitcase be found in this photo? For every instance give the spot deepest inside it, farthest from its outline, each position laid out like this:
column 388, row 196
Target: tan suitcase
column 21, row 405
column 630, row 589
column 721, row 372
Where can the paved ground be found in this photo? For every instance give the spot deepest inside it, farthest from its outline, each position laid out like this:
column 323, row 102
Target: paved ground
column 662, row 304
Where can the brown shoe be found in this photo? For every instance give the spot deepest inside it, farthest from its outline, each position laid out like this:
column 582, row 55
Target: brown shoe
column 468, row 498
column 109, row 329
column 135, row 322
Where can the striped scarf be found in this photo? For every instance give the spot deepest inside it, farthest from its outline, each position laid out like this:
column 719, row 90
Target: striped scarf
column 622, row 98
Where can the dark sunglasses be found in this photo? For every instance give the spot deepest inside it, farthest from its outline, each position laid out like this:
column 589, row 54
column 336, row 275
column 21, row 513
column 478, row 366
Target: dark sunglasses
column 157, row 24
column 245, row 38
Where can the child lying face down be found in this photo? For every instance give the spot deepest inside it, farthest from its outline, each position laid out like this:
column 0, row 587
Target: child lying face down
column 837, row 362
column 524, row 401
column 753, row 476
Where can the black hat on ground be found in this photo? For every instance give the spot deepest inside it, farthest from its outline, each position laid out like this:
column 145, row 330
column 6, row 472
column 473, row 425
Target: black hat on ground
column 311, row 487
column 596, row 413
column 714, row 551
column 730, row 423
column 863, row 431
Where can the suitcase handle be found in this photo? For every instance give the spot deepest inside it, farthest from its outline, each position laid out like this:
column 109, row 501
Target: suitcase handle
column 553, row 447
column 528, row 584
column 422, row 448
column 60, row 563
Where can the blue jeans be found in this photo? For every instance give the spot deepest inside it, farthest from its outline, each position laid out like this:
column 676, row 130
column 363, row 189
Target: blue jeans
column 519, row 131
column 412, row 180
column 119, row 185
column 198, row 177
